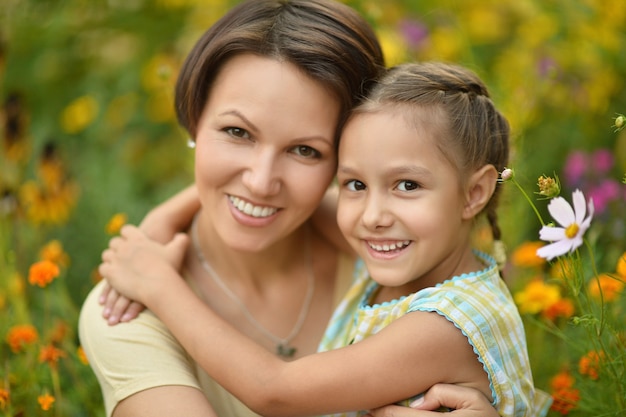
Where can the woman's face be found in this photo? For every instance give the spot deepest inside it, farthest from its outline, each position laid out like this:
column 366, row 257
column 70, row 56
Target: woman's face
column 265, row 150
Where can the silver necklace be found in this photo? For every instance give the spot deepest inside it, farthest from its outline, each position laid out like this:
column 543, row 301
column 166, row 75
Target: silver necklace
column 283, row 348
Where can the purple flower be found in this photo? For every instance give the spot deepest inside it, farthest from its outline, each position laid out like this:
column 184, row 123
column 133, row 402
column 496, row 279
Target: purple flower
column 602, row 161
column 414, row 32
column 575, row 167
column 605, row 192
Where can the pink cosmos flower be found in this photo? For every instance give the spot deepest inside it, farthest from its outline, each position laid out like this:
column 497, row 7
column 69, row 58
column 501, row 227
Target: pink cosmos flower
column 602, row 161
column 573, row 226
column 575, row 167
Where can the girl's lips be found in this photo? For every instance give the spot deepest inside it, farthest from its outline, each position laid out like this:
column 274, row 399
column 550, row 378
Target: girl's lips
column 386, row 250
column 388, row 246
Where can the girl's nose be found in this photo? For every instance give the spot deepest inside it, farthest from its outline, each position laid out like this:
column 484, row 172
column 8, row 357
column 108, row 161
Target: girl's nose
column 375, row 214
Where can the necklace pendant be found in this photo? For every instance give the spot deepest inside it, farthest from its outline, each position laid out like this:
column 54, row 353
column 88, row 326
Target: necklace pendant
column 285, row 351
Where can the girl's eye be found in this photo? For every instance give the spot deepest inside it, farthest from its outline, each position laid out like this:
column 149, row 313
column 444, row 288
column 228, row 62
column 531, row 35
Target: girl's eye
column 355, row 185
column 237, row 132
column 406, row 185
column 306, row 152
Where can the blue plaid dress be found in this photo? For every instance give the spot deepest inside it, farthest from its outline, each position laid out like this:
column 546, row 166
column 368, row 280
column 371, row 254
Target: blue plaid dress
column 479, row 304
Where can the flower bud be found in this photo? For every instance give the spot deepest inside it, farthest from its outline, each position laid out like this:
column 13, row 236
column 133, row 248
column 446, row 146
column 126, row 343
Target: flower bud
column 620, row 122
column 548, row 186
column 506, row 174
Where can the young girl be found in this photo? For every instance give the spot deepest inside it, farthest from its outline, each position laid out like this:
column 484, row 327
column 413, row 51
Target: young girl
column 418, row 163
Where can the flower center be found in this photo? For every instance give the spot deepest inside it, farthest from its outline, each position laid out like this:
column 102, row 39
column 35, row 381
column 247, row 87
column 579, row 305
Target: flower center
column 571, row 231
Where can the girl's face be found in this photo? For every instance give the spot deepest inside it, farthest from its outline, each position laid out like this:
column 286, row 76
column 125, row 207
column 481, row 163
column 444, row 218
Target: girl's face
column 265, row 150
column 400, row 202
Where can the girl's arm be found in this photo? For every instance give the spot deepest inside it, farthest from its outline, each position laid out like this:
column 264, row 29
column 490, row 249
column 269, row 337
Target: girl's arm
column 161, row 224
column 172, row 216
column 410, row 355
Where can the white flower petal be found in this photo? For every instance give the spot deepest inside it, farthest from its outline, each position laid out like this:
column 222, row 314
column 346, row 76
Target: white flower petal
column 554, row 249
column 561, row 211
column 579, row 206
column 576, row 242
column 551, row 234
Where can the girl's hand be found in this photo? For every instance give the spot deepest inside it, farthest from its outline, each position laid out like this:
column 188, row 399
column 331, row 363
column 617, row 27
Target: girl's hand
column 117, row 308
column 138, row 267
column 464, row 401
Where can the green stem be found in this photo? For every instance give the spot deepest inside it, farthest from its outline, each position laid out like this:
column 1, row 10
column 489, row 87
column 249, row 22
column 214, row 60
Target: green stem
column 530, row 201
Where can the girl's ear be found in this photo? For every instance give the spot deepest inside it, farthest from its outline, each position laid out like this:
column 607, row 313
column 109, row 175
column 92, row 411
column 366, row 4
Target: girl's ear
column 480, row 188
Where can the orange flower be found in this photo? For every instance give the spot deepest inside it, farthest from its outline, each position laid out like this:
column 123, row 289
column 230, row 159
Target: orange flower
column 53, row 252
column 42, row 273
column 45, row 401
column 621, row 266
column 590, row 364
column 537, row 296
column 526, row 255
column 562, row 380
column 80, row 352
column 610, row 287
column 561, row 308
column 59, row 332
column 4, row 398
column 51, row 355
column 116, row 223
column 565, row 400
column 21, row 335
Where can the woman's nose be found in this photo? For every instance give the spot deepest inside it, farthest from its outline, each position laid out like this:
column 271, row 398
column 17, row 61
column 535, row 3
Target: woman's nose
column 261, row 176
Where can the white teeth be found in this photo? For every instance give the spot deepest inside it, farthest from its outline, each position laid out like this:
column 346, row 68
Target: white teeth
column 251, row 210
column 389, row 248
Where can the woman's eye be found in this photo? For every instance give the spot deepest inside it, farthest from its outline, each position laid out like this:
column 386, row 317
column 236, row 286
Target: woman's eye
column 355, row 185
column 237, row 132
column 406, row 185
column 306, row 152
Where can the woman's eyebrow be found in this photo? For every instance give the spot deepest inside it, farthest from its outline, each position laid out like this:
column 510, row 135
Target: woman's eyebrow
column 243, row 118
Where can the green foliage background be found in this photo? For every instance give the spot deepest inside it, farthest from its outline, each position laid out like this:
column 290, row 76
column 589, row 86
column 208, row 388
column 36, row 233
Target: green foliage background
column 556, row 68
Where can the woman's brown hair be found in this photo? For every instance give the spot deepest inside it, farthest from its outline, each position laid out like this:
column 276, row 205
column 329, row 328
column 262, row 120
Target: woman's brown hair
column 327, row 40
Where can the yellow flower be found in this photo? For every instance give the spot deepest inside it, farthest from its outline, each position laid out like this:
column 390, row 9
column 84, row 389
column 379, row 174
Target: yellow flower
column 45, row 207
column 115, row 224
column 21, row 335
column 393, row 45
column 42, row 273
column 80, row 352
column 563, row 269
column 45, row 401
column 610, row 287
column 446, row 44
column 79, row 114
column 537, row 296
column 485, row 24
column 53, row 252
column 621, row 266
column 526, row 255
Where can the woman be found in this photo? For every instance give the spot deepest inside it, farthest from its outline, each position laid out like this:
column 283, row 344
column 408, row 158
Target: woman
column 264, row 93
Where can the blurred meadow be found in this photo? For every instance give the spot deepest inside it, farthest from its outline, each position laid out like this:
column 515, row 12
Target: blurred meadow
column 90, row 141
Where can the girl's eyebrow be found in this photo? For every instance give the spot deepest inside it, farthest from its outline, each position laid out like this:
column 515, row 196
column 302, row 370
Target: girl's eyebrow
column 395, row 171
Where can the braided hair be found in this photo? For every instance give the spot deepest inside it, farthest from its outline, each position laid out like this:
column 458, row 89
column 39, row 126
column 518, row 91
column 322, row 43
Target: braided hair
column 470, row 131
